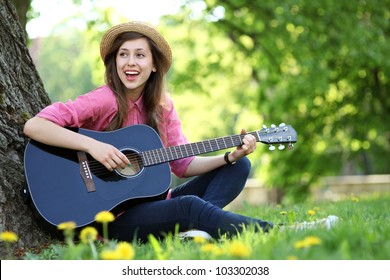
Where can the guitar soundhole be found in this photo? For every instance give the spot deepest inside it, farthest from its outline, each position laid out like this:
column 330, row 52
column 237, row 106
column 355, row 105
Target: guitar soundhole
column 135, row 166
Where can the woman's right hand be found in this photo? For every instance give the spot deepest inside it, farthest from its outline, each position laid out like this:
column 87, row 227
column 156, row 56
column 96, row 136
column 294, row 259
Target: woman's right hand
column 108, row 155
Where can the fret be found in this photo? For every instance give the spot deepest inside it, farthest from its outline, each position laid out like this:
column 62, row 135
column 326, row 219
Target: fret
column 144, row 159
column 164, row 155
column 151, row 156
column 214, row 144
column 170, row 156
column 229, row 141
column 184, row 150
column 207, row 146
column 181, row 153
column 147, row 158
column 197, row 147
column 155, row 156
column 256, row 135
column 174, row 153
column 190, row 150
column 223, row 143
column 237, row 140
column 187, row 149
column 204, row 146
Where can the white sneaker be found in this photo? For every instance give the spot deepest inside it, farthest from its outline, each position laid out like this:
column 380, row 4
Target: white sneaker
column 327, row 223
column 331, row 221
column 194, row 233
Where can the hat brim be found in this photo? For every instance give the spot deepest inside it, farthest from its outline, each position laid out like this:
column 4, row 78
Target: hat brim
column 142, row 28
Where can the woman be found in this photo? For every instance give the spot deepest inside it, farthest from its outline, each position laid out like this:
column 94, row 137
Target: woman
column 137, row 59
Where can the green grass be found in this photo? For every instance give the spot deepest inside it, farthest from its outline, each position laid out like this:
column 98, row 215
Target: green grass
column 363, row 233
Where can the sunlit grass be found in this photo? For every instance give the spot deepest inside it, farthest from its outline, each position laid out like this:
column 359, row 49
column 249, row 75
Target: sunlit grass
column 363, row 232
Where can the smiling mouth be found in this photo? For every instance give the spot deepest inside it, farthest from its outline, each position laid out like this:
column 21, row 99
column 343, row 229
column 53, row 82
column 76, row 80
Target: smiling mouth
column 131, row 73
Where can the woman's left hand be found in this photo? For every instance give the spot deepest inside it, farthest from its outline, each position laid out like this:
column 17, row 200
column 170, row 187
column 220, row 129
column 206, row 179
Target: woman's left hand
column 248, row 146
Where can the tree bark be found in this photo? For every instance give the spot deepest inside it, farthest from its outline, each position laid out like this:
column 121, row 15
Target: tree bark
column 22, row 7
column 22, row 95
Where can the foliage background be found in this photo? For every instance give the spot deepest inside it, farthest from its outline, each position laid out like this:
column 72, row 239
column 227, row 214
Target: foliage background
column 321, row 66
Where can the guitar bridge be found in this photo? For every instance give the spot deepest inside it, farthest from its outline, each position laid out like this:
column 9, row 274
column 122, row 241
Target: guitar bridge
column 85, row 172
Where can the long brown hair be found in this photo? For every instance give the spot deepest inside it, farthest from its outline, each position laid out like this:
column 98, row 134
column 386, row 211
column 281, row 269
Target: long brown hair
column 154, row 88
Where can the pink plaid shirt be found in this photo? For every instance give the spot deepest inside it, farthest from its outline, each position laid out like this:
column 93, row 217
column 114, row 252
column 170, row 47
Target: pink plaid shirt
column 96, row 109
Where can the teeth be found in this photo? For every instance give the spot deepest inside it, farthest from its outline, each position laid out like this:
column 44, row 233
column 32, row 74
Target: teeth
column 131, row 73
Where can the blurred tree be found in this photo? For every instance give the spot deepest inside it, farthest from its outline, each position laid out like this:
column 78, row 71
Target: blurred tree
column 69, row 59
column 66, row 64
column 322, row 67
column 212, row 92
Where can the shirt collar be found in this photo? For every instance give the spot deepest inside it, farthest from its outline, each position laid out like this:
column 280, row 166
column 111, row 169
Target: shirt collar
column 139, row 103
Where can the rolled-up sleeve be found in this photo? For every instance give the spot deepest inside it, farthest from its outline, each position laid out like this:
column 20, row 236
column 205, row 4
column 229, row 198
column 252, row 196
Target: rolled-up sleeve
column 81, row 112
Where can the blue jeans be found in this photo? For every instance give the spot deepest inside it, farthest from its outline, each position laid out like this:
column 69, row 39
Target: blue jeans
column 196, row 204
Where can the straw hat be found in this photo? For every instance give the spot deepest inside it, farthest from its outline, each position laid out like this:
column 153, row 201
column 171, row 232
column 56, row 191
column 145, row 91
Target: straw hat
column 142, row 28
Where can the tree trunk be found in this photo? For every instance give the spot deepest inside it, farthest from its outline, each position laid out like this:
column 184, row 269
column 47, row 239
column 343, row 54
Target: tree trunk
column 22, row 7
column 21, row 95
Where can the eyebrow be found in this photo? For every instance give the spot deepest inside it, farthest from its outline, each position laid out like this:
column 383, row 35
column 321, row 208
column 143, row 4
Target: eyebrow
column 125, row 49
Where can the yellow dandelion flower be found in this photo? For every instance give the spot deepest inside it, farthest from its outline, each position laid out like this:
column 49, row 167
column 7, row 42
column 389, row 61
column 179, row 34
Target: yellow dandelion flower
column 199, row 239
column 67, row 226
column 217, row 251
column 125, row 251
column 207, row 247
column 283, row 212
column 212, row 249
column 8, row 236
column 312, row 240
column 110, row 255
column 299, row 244
column 239, row 249
column 307, row 242
column 104, row 217
column 311, row 212
column 292, row 258
column 88, row 234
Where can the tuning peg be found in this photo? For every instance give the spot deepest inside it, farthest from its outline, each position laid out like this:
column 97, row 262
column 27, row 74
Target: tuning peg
column 283, row 126
column 264, row 126
column 290, row 146
column 275, row 128
column 281, row 147
column 271, row 147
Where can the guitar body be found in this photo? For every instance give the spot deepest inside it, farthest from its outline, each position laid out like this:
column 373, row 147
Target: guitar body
column 59, row 192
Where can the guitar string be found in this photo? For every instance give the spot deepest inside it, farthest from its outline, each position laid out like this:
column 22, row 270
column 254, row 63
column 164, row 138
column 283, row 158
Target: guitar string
column 185, row 151
column 162, row 154
column 154, row 157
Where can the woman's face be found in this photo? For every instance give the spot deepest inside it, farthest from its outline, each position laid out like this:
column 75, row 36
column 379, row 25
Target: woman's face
column 134, row 65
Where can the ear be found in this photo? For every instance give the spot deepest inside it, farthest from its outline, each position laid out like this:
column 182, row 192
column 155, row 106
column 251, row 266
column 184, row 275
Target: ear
column 154, row 69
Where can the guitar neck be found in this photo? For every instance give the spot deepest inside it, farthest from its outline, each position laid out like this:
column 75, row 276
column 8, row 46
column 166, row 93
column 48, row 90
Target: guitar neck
column 162, row 155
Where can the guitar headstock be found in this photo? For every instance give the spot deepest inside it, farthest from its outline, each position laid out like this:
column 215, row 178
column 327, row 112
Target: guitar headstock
column 282, row 134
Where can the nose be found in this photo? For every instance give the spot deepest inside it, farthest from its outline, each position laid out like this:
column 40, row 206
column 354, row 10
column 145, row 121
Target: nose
column 131, row 60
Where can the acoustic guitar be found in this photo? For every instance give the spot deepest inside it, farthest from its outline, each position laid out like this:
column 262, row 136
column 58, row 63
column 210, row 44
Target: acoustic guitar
column 67, row 185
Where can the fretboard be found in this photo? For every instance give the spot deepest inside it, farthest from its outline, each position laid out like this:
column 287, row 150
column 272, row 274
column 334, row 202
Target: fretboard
column 161, row 155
